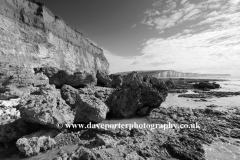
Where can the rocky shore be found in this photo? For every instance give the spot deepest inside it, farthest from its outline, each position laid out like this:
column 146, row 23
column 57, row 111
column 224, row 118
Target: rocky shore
column 30, row 124
column 32, row 121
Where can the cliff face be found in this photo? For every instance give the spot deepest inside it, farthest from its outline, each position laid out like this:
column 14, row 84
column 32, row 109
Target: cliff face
column 172, row 73
column 32, row 36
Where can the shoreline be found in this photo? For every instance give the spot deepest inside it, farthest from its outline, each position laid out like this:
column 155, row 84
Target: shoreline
column 115, row 142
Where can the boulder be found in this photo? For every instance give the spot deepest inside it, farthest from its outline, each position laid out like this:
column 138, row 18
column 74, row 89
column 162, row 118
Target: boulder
column 206, row 85
column 46, row 107
column 90, row 109
column 157, row 83
column 133, row 80
column 134, row 95
column 170, row 84
column 70, row 95
column 102, row 92
column 117, row 80
column 35, row 143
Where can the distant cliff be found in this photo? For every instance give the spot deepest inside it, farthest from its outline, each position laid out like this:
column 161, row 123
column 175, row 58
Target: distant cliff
column 31, row 35
column 172, row 73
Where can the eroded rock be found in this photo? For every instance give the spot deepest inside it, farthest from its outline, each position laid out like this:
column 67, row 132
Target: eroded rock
column 90, row 109
column 117, row 80
column 35, row 143
column 46, row 107
column 88, row 102
column 207, row 85
column 136, row 94
column 170, row 84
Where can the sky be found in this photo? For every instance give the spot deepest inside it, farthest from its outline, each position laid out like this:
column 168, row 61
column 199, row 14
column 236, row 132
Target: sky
column 199, row 36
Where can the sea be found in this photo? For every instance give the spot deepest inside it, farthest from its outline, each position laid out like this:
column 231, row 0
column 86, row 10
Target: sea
column 228, row 84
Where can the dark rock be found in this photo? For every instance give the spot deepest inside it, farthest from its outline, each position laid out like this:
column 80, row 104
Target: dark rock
column 70, row 95
column 211, row 123
column 213, row 106
column 158, row 84
column 134, row 95
column 15, row 129
column 133, row 80
column 200, row 100
column 146, row 78
column 213, row 111
column 103, row 79
column 185, row 148
column 207, row 85
column 222, row 94
column 117, row 80
column 177, row 91
column 202, row 96
column 47, row 108
column 170, row 84
column 211, row 94
column 143, row 111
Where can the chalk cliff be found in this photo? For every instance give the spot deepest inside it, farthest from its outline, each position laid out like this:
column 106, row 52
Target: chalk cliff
column 32, row 36
column 172, row 73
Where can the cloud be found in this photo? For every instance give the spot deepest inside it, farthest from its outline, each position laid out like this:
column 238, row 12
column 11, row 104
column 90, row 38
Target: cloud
column 158, row 3
column 206, row 42
column 133, row 26
column 118, row 63
column 169, row 6
column 171, row 14
column 207, row 52
column 183, row 2
column 192, row 15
